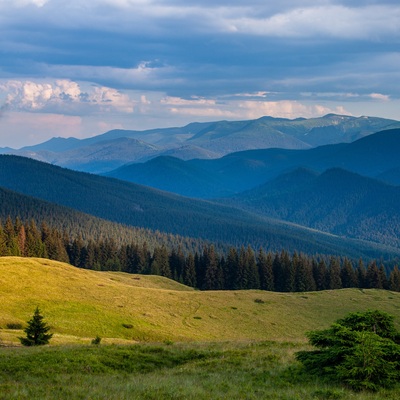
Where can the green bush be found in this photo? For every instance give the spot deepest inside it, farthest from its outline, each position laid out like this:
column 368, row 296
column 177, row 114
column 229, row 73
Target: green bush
column 14, row 325
column 96, row 340
column 361, row 350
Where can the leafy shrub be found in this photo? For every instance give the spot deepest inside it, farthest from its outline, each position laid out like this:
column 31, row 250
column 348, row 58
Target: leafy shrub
column 362, row 350
column 96, row 340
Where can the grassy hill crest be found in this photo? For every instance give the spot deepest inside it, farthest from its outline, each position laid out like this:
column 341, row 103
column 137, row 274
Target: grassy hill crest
column 81, row 304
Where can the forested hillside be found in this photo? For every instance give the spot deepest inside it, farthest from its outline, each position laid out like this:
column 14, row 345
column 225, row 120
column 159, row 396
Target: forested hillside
column 335, row 201
column 76, row 224
column 142, row 207
column 206, row 269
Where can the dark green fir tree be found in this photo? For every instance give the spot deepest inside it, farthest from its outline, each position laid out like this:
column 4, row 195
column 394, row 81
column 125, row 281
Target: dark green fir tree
column 36, row 331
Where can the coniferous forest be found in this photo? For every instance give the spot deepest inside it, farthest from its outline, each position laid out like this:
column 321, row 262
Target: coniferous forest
column 206, row 269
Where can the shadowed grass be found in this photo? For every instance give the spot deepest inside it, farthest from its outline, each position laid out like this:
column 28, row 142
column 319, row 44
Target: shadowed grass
column 241, row 370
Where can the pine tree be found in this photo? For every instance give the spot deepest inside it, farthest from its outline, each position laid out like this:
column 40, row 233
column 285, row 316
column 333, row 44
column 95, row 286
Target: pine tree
column 394, row 279
column 189, row 273
column 335, row 281
column 11, row 239
column 373, row 277
column 320, row 274
column 348, row 275
column 361, row 273
column 230, row 268
column 383, row 277
column 36, row 331
column 304, row 277
column 252, row 276
column 3, row 247
column 264, row 262
column 160, row 264
column 214, row 279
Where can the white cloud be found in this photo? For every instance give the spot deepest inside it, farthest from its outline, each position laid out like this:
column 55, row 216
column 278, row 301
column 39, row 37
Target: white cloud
column 247, row 109
column 370, row 22
column 379, row 96
column 24, row 3
column 64, row 96
column 285, row 109
column 194, row 102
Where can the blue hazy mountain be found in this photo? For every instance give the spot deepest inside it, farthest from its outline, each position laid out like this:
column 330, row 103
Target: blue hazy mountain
column 204, row 140
column 373, row 156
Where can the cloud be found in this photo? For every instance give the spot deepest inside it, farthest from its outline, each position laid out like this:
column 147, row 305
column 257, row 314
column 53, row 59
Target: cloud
column 370, row 22
column 24, row 3
column 379, row 96
column 64, row 96
column 153, row 63
column 246, row 109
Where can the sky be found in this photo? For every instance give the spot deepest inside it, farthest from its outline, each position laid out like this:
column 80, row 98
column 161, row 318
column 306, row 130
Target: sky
column 78, row 68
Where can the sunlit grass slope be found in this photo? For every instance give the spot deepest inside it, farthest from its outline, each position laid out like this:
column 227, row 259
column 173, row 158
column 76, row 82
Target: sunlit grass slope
column 80, row 304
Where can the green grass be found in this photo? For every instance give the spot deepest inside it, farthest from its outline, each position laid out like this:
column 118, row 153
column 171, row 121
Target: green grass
column 193, row 345
column 121, row 308
column 240, row 370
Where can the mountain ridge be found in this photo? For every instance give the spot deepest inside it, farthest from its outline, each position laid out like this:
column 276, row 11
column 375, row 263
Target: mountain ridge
column 210, row 139
column 370, row 156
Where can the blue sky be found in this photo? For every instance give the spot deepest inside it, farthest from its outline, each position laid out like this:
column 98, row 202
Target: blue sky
column 79, row 68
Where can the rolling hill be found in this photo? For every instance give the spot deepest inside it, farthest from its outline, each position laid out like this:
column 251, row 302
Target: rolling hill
column 143, row 207
column 112, row 149
column 80, row 304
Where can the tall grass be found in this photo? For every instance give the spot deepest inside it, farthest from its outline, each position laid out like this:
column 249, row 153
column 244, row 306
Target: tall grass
column 241, row 370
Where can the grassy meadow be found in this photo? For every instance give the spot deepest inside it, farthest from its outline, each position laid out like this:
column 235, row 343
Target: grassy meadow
column 163, row 340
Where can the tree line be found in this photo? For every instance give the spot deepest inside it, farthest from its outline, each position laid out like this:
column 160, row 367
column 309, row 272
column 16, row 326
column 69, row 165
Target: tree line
column 205, row 269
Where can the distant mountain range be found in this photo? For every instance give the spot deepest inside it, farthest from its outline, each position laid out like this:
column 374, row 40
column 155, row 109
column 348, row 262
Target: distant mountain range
column 209, row 140
column 140, row 206
column 375, row 156
column 291, row 181
column 334, row 188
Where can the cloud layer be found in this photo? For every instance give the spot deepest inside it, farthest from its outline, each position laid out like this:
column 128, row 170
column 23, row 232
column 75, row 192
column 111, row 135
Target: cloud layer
column 147, row 63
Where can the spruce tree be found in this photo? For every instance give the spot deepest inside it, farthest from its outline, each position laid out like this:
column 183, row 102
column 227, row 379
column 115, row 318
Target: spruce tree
column 36, row 331
column 335, row 281
column 394, row 279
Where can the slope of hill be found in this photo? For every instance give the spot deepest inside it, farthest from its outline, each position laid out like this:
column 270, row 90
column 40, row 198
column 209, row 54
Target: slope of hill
column 173, row 175
column 370, row 156
column 76, row 223
column 391, row 176
column 81, row 304
column 204, row 140
column 140, row 206
column 336, row 201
